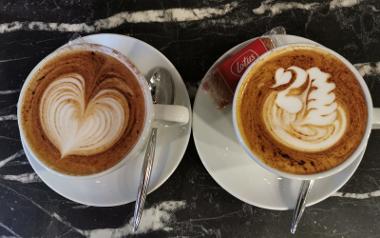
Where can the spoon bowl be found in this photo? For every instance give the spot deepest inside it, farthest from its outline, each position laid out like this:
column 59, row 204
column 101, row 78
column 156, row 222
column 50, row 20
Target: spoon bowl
column 161, row 86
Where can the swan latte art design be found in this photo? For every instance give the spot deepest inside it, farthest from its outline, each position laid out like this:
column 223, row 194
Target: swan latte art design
column 83, row 111
column 305, row 115
column 301, row 110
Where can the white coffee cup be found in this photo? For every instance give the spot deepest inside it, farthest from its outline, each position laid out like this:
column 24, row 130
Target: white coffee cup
column 156, row 115
column 373, row 121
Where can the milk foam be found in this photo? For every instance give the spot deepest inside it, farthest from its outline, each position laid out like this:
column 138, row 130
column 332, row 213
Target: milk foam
column 77, row 127
column 305, row 115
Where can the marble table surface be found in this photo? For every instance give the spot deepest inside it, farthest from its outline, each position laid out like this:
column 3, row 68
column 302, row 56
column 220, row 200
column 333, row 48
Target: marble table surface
column 192, row 34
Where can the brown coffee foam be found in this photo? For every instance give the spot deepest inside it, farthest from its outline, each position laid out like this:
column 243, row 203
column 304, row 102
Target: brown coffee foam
column 95, row 68
column 255, row 91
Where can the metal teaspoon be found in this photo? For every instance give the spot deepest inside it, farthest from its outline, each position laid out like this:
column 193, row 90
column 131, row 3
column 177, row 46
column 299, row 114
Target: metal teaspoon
column 162, row 90
column 301, row 204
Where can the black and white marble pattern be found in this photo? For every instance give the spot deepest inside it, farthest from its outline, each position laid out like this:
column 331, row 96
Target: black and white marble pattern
column 192, row 34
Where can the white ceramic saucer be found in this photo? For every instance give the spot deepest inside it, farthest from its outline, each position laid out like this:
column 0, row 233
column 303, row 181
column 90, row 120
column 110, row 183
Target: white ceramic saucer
column 232, row 168
column 120, row 186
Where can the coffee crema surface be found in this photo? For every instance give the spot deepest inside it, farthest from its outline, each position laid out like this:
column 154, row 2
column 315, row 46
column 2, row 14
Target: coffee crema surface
column 83, row 111
column 301, row 110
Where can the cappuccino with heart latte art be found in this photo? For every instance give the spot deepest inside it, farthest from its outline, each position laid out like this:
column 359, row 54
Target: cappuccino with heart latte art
column 82, row 112
column 301, row 110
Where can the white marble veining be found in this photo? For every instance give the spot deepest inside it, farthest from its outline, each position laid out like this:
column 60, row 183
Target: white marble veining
column 6, row 92
column 11, row 117
column 144, row 16
column 170, row 15
column 13, row 59
column 9, row 230
column 158, row 217
column 344, row 3
column 161, row 216
column 22, row 178
column 368, row 69
column 11, row 157
column 276, row 8
column 80, row 206
column 166, row 15
column 357, row 195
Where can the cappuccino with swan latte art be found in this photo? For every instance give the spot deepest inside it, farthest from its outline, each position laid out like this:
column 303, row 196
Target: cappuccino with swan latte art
column 82, row 112
column 301, row 110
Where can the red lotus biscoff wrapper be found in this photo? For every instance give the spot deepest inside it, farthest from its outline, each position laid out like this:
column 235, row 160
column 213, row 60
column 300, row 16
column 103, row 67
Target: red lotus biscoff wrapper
column 222, row 81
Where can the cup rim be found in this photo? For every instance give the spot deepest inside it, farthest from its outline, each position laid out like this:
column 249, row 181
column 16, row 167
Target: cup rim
column 319, row 175
column 149, row 112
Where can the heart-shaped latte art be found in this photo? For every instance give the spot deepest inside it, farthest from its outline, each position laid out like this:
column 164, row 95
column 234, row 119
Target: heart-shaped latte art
column 78, row 125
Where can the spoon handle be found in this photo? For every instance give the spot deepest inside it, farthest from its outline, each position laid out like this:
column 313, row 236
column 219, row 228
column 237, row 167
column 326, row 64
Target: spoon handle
column 145, row 177
column 301, row 204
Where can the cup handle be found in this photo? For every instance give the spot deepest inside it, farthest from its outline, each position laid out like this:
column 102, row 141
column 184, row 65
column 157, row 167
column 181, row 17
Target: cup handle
column 376, row 118
column 170, row 115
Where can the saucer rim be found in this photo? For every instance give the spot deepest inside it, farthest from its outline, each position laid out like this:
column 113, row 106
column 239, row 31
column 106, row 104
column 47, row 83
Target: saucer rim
column 181, row 153
column 353, row 167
